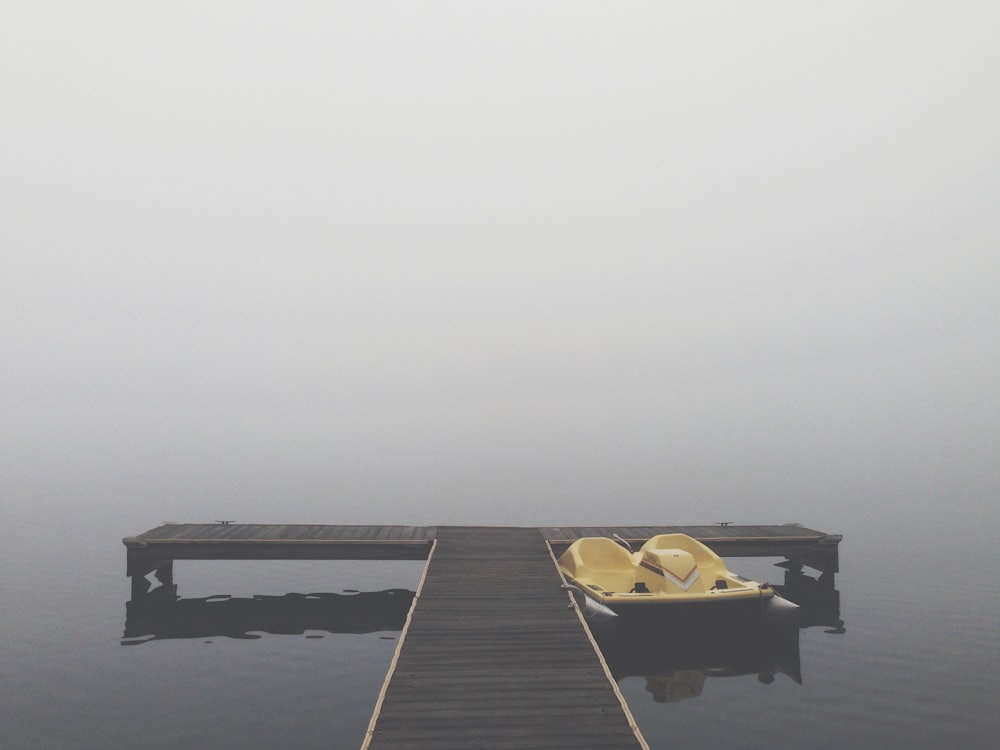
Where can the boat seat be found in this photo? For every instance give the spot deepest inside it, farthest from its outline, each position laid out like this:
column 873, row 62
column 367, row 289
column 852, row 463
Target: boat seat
column 601, row 561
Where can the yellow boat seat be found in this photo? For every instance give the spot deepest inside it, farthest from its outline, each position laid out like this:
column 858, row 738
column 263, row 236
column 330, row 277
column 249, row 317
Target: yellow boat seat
column 600, row 561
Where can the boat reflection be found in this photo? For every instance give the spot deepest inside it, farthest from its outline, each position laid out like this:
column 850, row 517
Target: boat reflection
column 678, row 656
column 161, row 615
column 677, row 662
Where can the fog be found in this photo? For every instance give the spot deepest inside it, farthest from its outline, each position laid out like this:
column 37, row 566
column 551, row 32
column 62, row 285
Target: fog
column 506, row 263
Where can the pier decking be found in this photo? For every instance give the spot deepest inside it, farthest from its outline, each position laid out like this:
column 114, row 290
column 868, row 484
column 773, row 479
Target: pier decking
column 245, row 541
column 492, row 653
column 492, row 657
column 230, row 541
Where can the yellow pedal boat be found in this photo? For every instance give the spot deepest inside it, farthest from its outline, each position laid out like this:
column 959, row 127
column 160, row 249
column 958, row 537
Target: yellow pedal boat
column 670, row 573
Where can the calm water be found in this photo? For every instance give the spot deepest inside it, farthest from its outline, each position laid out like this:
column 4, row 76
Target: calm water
column 916, row 663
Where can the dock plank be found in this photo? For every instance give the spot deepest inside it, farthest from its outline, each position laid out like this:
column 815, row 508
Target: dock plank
column 492, row 656
column 365, row 542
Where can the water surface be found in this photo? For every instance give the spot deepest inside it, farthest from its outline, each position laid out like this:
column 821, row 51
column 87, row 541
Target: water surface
column 915, row 661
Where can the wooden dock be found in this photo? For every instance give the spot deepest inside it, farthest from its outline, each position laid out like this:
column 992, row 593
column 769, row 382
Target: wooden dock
column 493, row 654
column 222, row 541
column 492, row 657
column 246, row 541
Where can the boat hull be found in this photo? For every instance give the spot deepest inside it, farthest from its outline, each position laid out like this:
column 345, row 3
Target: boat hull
column 682, row 612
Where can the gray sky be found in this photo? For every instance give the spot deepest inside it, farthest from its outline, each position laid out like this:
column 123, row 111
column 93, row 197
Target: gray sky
column 545, row 262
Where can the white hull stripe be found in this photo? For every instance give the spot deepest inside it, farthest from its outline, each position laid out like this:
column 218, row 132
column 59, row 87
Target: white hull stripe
column 682, row 583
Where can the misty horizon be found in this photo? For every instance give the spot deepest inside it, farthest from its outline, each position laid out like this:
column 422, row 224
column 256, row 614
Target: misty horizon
column 451, row 263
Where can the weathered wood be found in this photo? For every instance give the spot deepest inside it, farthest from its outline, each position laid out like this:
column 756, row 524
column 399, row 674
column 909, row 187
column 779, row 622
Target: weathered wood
column 233, row 541
column 278, row 542
column 318, row 541
column 282, row 550
column 493, row 657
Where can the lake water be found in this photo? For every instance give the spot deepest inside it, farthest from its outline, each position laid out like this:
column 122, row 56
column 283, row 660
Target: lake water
column 914, row 665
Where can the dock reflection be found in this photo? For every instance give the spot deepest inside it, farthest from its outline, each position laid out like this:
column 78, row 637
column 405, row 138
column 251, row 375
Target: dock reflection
column 818, row 598
column 161, row 615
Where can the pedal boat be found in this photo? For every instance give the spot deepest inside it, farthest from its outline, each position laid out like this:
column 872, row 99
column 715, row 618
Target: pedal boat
column 672, row 575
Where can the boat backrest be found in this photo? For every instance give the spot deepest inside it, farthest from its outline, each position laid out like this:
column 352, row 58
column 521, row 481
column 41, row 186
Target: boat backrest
column 676, row 552
column 670, row 570
column 601, row 553
column 601, row 561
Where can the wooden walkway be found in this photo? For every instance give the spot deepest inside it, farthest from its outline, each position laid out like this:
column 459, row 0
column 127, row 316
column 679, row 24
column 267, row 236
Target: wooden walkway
column 246, row 541
column 492, row 657
column 208, row 541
